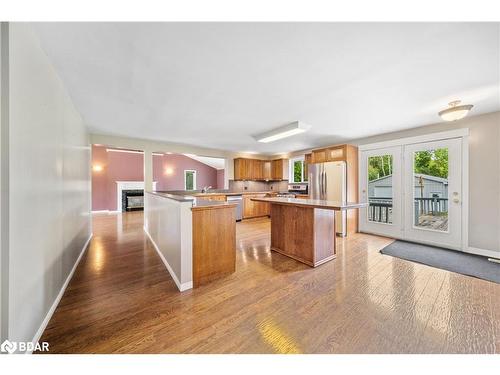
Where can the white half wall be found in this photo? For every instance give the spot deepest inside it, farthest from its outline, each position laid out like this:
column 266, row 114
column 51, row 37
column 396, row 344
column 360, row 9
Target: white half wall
column 49, row 185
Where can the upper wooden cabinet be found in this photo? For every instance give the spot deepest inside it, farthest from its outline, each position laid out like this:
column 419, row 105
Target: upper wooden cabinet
column 266, row 168
column 307, row 161
column 277, row 169
column 255, row 169
column 334, row 153
column 241, row 169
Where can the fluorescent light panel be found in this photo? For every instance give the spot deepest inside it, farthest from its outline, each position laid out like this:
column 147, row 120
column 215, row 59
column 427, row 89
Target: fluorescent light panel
column 294, row 128
column 127, row 151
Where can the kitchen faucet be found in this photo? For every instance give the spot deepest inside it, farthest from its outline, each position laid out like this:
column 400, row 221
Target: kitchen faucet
column 206, row 189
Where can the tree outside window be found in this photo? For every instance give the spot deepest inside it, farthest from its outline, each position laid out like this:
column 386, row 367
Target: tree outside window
column 297, row 172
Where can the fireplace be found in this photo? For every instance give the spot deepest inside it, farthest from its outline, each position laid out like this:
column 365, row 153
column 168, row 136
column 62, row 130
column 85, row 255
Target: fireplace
column 133, row 200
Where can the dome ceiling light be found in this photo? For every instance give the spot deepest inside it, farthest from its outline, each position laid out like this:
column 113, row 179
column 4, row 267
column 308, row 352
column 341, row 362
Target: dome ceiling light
column 455, row 111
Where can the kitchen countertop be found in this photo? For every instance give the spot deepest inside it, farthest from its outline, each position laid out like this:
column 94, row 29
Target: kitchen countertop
column 313, row 203
column 197, row 203
column 212, row 193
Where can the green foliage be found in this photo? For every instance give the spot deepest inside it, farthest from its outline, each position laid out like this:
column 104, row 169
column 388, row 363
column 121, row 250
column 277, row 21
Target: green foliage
column 432, row 162
column 297, row 171
column 189, row 181
column 429, row 162
column 379, row 166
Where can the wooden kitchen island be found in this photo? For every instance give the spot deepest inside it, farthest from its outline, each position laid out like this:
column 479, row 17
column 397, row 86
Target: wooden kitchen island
column 304, row 229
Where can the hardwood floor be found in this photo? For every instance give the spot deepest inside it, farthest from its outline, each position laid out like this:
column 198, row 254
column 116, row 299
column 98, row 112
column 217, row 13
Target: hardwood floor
column 122, row 300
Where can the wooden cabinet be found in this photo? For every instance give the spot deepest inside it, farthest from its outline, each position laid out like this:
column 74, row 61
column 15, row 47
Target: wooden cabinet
column 277, row 169
column 336, row 153
column 241, row 169
column 221, row 198
column 255, row 169
column 319, row 156
column 307, row 161
column 255, row 209
column 266, row 169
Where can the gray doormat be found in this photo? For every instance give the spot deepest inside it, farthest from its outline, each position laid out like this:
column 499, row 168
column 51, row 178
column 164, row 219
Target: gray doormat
column 450, row 260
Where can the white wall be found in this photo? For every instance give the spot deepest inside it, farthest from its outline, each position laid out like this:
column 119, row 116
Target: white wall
column 169, row 225
column 49, row 182
column 4, row 169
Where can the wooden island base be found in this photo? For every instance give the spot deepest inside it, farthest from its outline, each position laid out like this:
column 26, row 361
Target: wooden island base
column 306, row 234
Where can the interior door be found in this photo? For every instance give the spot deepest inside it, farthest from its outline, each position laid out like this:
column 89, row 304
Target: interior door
column 380, row 185
column 433, row 193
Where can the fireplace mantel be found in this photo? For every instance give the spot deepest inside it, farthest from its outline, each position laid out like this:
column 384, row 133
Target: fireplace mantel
column 128, row 185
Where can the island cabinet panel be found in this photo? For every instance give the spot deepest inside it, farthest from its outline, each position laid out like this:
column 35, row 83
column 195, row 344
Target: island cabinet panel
column 302, row 233
column 214, row 244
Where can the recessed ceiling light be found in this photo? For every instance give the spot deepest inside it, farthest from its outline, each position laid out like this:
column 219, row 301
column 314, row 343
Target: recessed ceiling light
column 294, row 128
column 455, row 111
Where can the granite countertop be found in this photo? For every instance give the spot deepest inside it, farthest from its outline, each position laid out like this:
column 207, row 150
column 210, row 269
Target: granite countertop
column 213, row 192
column 197, row 203
column 313, row 203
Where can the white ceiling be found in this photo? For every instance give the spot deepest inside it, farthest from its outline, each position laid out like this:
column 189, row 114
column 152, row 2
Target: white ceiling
column 217, row 84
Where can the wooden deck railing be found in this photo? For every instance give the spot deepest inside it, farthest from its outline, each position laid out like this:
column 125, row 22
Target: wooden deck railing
column 380, row 209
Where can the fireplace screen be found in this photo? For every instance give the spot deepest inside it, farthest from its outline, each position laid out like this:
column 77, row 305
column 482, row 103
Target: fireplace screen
column 132, row 200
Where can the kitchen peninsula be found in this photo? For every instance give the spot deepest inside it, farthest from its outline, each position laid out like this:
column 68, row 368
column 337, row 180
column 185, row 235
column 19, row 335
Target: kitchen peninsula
column 304, row 229
column 195, row 237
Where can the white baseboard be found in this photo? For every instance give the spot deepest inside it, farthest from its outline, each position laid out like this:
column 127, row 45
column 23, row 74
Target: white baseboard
column 59, row 296
column 180, row 286
column 100, row 212
column 483, row 252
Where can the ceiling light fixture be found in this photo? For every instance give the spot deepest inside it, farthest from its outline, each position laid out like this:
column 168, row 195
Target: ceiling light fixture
column 123, row 150
column 294, row 128
column 455, row 111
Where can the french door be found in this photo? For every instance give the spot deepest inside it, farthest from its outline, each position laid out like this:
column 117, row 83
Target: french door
column 414, row 192
column 380, row 185
column 433, row 192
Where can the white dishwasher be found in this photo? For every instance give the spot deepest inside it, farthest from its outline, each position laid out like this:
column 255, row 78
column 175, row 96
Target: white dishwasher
column 238, row 199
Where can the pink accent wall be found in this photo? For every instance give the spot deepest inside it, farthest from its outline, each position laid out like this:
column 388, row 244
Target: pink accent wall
column 168, row 172
column 220, row 178
column 117, row 166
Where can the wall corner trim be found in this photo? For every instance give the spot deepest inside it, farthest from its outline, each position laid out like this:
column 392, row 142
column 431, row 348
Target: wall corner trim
column 46, row 321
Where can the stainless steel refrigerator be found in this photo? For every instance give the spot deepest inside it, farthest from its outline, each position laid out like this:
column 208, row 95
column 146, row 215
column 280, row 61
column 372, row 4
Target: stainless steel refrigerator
column 327, row 181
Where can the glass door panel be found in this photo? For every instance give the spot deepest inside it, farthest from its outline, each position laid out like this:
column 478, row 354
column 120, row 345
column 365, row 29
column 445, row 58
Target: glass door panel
column 380, row 187
column 433, row 208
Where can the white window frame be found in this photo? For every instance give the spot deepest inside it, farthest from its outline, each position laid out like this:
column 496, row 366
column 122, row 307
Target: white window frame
column 194, row 178
column 290, row 171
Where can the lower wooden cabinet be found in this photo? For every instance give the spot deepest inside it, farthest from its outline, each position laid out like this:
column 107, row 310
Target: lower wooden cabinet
column 255, row 209
column 221, row 198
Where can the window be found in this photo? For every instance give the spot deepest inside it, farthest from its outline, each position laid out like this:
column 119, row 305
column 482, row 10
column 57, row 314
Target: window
column 297, row 170
column 189, row 180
